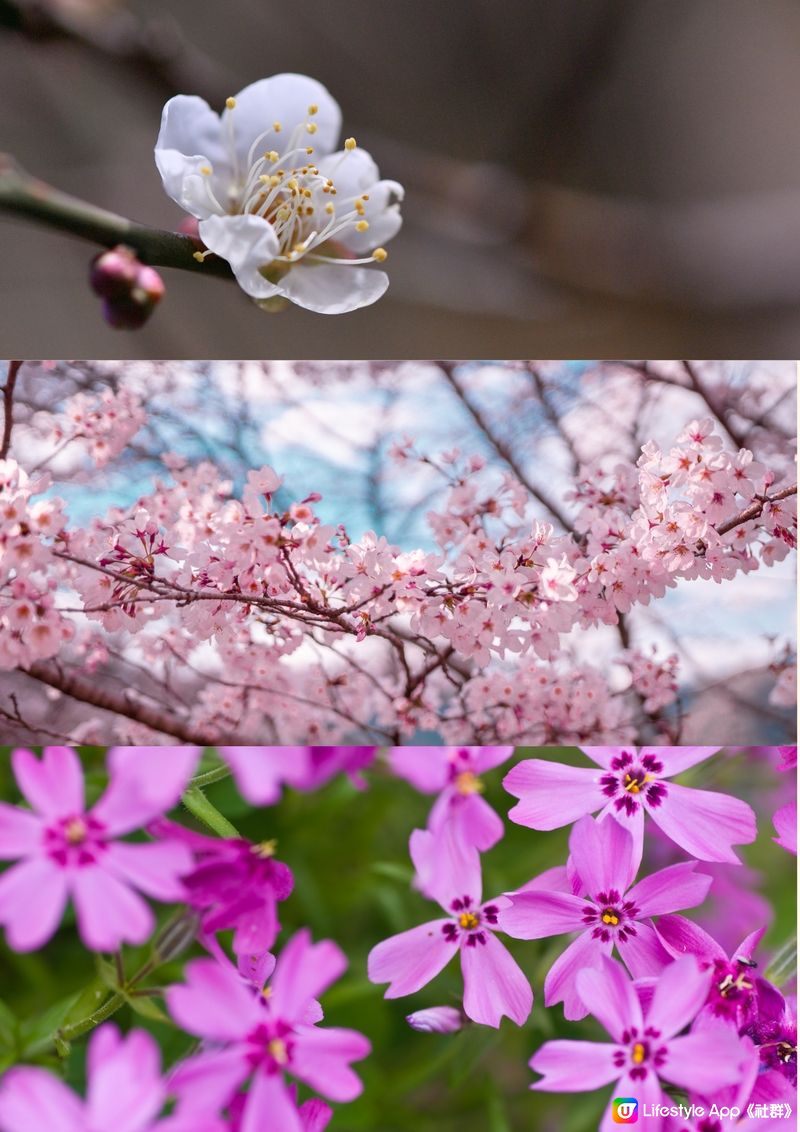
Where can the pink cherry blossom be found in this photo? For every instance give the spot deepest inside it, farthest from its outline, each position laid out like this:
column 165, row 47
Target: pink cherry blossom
column 704, row 823
column 494, row 985
column 67, row 852
column 609, row 910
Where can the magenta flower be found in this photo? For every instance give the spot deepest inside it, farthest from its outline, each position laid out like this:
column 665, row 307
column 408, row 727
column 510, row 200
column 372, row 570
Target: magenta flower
column 235, row 885
column 69, row 852
column 736, row 994
column 785, row 822
column 613, row 914
column 493, row 983
column 788, row 758
column 263, row 1036
column 262, row 772
column 703, row 823
column 125, row 1093
column 454, row 774
column 645, row 1048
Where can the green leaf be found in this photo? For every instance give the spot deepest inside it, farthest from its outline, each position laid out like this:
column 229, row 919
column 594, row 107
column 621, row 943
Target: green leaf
column 148, row 1008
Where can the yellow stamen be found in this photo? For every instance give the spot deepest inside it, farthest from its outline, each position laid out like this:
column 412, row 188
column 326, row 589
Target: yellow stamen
column 638, row 1054
column 350, row 144
column 230, row 103
column 466, row 782
column 277, row 1048
column 265, row 849
column 380, row 254
column 610, row 917
column 468, row 920
column 313, row 108
column 311, row 127
column 362, row 225
column 75, row 831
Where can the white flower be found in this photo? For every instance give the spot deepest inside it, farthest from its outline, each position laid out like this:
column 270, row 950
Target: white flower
column 294, row 219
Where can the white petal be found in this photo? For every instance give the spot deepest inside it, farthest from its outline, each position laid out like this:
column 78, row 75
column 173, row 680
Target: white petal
column 190, row 138
column 331, row 288
column 247, row 243
column 285, row 99
column 354, row 173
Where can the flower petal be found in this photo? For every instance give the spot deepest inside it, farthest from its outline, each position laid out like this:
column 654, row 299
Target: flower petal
column 303, row 971
column 647, row 1092
column 206, row 1082
column 424, row 767
column 680, row 992
column 603, row 854
column 538, row 914
column 643, row 953
column 54, row 785
column 670, row 889
column 144, row 783
column 125, row 1091
column 260, row 772
column 269, row 1104
column 213, row 1002
column 32, row 899
column 333, row 288
column 108, row 911
column 20, row 832
column 609, row 994
column 704, row 823
column 477, row 822
column 446, row 867
column 785, row 822
column 411, row 959
column 248, row 243
column 552, row 795
column 190, row 137
column 153, row 868
column 693, row 1062
column 574, row 1067
column 683, row 937
column 284, row 98
column 33, row 1100
column 321, row 1058
column 677, row 759
column 583, row 953
column 494, row 985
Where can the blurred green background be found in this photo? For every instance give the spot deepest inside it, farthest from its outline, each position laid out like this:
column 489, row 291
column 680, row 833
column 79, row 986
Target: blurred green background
column 348, row 850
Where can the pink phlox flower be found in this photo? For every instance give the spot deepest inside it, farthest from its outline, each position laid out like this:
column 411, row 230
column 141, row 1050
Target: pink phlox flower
column 704, row 823
column 264, row 1036
column 67, row 852
column 609, row 910
column 494, row 985
column 647, row 1044
column 125, row 1092
column 454, row 774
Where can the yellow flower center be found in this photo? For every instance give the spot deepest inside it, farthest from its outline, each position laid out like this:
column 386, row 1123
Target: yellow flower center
column 75, row 831
column 638, row 1054
column 610, row 917
column 634, row 785
column 468, row 921
column 265, row 849
column 468, row 783
column 277, row 1049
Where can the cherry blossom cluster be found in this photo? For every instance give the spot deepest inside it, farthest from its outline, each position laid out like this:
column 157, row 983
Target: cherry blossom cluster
column 256, row 1013
column 107, row 421
column 678, row 1008
column 292, row 609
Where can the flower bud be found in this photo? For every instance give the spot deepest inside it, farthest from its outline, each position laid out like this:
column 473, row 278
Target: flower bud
column 436, row 1020
column 113, row 273
column 175, row 937
column 130, row 289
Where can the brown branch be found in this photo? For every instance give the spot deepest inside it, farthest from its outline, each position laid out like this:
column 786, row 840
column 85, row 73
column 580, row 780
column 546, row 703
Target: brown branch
column 755, row 509
column 88, row 691
column 720, row 411
column 8, row 406
column 501, row 448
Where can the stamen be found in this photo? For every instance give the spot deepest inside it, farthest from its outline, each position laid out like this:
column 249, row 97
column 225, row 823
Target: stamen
column 277, row 1049
column 639, row 1053
column 230, row 103
column 469, row 921
column 350, row 144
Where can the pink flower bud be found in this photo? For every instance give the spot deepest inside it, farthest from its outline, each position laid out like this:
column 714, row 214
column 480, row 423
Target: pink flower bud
column 436, row 1020
column 113, row 273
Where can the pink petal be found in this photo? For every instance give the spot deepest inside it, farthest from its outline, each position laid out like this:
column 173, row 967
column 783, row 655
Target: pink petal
column 315, row 1114
column 54, row 785
column 494, row 985
column 269, row 1105
column 153, row 868
column 670, row 889
column 680, row 992
column 537, row 914
column 574, row 1067
column 20, row 832
column 261, row 772
column 559, row 984
column 677, row 759
column 446, row 867
column 108, row 911
column 477, row 822
column 603, row 755
column 704, row 1066
column 33, row 1100
column 603, row 854
column 411, row 959
column 785, row 822
column 303, row 971
column 206, row 1082
column 552, row 795
column 213, row 1002
column 683, row 937
column 487, row 758
column 424, row 767
column 647, row 1092
column 125, row 1087
column 557, row 879
column 643, row 954
column 609, row 994
column 704, row 823
column 321, row 1058
column 33, row 895
column 144, row 783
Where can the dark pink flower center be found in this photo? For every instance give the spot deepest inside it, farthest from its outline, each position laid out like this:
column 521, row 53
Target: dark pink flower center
column 612, row 917
column 270, row 1046
column 630, row 782
column 468, row 921
column 77, row 840
column 732, row 987
column 642, row 1052
column 461, row 773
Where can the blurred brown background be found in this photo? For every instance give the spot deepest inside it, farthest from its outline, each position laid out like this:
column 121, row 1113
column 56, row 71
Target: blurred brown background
column 584, row 178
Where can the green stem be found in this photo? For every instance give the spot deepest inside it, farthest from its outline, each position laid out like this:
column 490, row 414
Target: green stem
column 109, row 1007
column 216, row 774
column 196, row 803
column 24, row 195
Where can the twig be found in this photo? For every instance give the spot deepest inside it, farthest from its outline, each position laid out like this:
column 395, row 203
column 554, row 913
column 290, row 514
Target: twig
column 8, row 406
column 755, row 509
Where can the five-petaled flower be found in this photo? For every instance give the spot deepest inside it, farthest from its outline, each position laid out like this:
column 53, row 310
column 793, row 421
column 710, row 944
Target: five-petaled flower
column 295, row 220
column 704, row 823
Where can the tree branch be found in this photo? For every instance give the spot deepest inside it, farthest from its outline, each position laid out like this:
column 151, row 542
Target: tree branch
column 8, row 406
column 24, row 195
column 755, row 509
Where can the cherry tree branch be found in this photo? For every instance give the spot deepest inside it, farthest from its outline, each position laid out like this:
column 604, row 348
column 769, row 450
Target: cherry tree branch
column 8, row 407
column 756, row 509
column 24, row 195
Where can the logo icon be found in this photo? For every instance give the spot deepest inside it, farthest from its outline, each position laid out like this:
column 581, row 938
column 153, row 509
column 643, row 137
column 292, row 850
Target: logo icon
column 625, row 1110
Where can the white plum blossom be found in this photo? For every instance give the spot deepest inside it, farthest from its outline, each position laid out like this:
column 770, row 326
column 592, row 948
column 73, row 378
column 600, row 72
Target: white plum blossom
column 296, row 219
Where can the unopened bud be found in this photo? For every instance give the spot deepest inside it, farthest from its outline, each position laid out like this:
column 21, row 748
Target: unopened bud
column 175, row 937
column 436, row 1020
column 130, row 290
column 113, row 273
